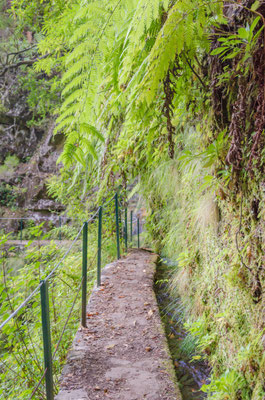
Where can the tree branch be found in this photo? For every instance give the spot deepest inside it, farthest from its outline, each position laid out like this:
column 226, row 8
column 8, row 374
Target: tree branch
column 25, row 62
column 193, row 70
column 15, row 53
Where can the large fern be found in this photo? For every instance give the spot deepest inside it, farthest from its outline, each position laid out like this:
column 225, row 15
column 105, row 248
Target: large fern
column 184, row 30
column 87, row 34
column 144, row 14
column 113, row 56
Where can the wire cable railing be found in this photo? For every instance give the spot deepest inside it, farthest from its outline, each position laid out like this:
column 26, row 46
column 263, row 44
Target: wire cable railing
column 21, row 230
column 26, row 315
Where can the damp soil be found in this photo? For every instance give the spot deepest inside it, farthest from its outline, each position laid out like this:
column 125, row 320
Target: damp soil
column 191, row 374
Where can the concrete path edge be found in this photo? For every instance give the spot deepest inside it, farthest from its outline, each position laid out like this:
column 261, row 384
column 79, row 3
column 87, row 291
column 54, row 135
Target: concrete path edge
column 79, row 347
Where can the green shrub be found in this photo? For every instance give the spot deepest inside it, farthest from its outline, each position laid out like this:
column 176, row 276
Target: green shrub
column 7, row 195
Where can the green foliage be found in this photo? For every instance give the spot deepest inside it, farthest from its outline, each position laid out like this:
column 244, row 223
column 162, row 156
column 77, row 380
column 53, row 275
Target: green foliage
column 21, row 345
column 32, row 15
column 223, row 322
column 184, row 29
column 10, row 164
column 7, row 195
column 21, row 339
column 241, row 44
column 5, row 20
column 134, row 75
column 42, row 96
column 229, row 386
column 127, row 63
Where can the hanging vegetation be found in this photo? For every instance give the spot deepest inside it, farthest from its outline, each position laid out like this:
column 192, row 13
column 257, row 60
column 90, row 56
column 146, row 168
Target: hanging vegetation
column 173, row 93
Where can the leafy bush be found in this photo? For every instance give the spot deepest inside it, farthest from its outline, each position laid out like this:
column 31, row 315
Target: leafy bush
column 7, row 196
column 7, row 169
column 21, row 343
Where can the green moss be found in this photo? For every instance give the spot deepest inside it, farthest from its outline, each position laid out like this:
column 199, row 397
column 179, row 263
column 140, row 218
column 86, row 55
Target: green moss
column 216, row 277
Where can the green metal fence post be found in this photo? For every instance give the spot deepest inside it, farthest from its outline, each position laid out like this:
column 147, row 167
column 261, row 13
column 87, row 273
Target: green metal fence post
column 99, row 246
column 21, row 228
column 46, row 332
column 117, row 225
column 60, row 228
column 126, row 229
column 131, row 226
column 138, row 232
column 121, row 229
column 84, row 276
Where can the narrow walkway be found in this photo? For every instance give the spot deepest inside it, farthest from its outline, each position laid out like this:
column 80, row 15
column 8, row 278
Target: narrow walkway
column 122, row 354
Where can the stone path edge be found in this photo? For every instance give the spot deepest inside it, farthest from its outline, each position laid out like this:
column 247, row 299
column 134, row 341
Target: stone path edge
column 74, row 354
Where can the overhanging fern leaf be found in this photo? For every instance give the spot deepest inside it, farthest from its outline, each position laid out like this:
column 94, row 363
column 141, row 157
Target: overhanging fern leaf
column 90, row 129
column 179, row 32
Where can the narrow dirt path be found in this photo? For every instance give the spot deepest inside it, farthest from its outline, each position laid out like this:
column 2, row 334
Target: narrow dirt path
column 122, row 355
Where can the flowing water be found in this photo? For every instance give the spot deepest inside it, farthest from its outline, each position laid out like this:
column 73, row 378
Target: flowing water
column 191, row 373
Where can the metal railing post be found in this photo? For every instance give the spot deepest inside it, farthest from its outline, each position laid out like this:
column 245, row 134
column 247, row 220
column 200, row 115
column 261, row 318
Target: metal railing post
column 60, row 228
column 21, row 228
column 121, row 229
column 117, row 225
column 138, row 232
column 99, row 246
column 131, row 227
column 46, row 332
column 84, row 276
column 126, row 229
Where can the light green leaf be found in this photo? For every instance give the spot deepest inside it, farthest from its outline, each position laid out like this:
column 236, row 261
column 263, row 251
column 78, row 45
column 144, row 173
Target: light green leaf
column 87, row 128
column 255, row 5
column 243, row 33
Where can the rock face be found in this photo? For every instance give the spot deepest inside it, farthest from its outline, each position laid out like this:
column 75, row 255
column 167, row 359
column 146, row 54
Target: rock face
column 15, row 136
column 23, row 190
column 33, row 176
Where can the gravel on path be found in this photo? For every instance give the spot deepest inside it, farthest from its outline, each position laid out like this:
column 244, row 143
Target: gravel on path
column 122, row 354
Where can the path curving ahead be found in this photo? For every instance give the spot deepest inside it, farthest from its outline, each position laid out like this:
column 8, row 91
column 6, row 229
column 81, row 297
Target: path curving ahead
column 122, row 354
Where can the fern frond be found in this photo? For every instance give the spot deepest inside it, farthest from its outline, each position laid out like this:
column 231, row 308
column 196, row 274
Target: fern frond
column 144, row 15
column 64, row 124
column 79, row 51
column 75, row 96
column 67, row 111
column 77, row 82
column 178, row 32
column 75, row 69
column 90, row 129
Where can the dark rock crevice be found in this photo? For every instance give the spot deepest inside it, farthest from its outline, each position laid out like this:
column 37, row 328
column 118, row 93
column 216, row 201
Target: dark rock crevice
column 37, row 151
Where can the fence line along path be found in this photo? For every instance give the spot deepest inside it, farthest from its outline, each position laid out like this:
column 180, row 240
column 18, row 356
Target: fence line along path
column 41, row 242
column 122, row 353
column 40, row 382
